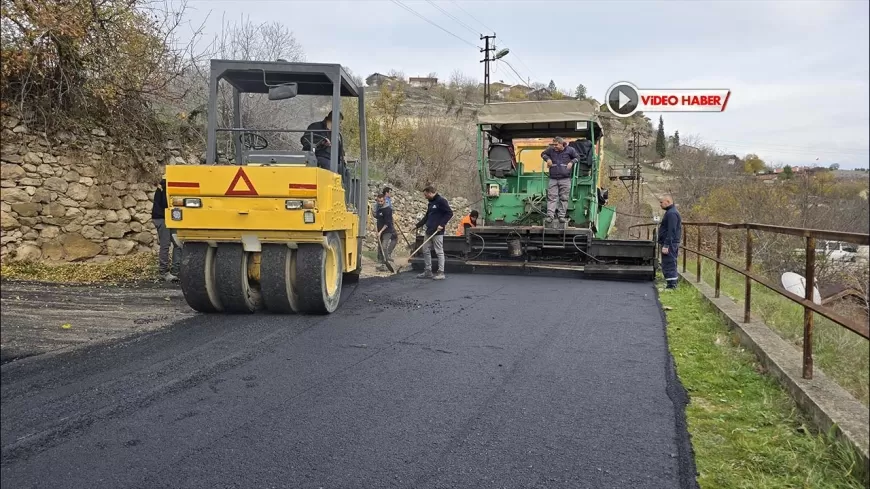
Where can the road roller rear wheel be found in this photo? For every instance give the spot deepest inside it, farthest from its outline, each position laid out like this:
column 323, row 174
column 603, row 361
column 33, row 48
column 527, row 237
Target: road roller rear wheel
column 236, row 292
column 198, row 277
column 277, row 277
column 319, row 275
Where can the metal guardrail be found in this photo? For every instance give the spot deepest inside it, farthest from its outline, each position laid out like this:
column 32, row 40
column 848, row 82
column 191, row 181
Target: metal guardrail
column 810, row 307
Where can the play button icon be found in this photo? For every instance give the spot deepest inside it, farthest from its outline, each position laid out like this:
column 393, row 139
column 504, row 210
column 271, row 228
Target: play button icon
column 622, row 99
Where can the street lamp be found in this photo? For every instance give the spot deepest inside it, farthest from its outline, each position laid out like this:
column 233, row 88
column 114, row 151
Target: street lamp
column 501, row 54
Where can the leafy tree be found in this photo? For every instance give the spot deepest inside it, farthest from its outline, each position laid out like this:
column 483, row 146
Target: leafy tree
column 834, row 166
column 552, row 86
column 106, row 60
column 516, row 95
column 753, row 164
column 787, row 172
column 580, row 92
column 661, row 143
column 676, row 139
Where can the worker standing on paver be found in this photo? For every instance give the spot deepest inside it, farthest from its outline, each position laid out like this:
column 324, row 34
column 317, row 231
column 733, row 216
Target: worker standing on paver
column 164, row 235
column 438, row 214
column 560, row 159
column 386, row 230
column 670, row 231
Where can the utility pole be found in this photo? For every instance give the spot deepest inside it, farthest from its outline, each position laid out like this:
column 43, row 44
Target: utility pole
column 488, row 48
column 634, row 144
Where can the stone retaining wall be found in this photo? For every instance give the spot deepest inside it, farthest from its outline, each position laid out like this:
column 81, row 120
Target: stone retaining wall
column 69, row 197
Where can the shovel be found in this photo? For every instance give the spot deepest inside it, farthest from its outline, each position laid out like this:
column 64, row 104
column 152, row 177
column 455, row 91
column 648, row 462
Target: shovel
column 386, row 261
column 422, row 245
column 410, row 246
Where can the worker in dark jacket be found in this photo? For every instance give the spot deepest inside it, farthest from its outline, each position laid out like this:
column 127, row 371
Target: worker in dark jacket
column 164, row 236
column 438, row 214
column 321, row 143
column 560, row 159
column 386, row 230
column 670, row 232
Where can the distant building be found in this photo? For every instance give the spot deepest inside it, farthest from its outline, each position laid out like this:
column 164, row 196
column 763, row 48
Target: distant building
column 845, row 298
column 730, row 159
column 540, row 94
column 378, row 79
column 767, row 177
column 664, row 165
column 423, row 82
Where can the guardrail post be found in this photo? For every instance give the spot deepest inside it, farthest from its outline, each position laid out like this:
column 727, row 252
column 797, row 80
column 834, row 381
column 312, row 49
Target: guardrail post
column 747, row 298
column 810, row 273
column 684, row 250
column 698, row 257
column 718, row 258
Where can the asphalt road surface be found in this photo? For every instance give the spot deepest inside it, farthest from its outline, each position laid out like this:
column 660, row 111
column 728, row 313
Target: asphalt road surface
column 475, row 381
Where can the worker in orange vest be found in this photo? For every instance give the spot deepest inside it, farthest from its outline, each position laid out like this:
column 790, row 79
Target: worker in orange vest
column 468, row 221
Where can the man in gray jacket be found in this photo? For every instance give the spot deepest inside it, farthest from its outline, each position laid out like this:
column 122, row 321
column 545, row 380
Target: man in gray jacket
column 560, row 159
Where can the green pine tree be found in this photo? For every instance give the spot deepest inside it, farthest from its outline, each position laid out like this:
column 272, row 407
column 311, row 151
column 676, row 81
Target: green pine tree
column 676, row 139
column 661, row 141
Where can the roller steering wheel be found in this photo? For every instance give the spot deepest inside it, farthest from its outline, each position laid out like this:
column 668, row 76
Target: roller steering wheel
column 254, row 141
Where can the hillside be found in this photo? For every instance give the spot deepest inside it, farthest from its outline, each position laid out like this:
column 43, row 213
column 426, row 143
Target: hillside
column 441, row 120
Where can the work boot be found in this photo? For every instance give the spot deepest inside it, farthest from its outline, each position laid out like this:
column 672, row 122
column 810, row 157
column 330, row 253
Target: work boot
column 381, row 268
column 548, row 219
column 426, row 274
column 563, row 220
column 439, row 276
column 170, row 277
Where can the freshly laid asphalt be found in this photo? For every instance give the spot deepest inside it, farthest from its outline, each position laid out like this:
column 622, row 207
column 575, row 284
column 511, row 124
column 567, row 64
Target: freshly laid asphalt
column 476, row 381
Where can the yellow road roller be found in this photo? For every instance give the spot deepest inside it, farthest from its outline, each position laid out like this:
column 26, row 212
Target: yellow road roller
column 274, row 229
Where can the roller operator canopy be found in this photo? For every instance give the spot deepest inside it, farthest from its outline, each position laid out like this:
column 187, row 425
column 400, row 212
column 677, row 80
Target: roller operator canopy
column 509, row 120
column 258, row 76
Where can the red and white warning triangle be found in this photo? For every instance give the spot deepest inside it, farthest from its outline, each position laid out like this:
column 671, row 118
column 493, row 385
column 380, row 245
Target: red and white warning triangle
column 241, row 176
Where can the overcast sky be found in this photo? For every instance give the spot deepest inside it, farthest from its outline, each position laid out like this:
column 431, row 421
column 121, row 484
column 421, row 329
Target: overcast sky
column 798, row 70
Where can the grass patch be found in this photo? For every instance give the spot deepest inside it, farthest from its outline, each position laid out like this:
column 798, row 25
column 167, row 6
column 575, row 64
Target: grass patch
column 746, row 431
column 371, row 254
column 839, row 353
column 132, row 268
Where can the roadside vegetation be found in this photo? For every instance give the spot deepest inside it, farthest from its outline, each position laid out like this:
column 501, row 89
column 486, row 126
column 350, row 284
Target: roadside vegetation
column 746, row 431
column 836, row 350
column 133, row 268
column 714, row 187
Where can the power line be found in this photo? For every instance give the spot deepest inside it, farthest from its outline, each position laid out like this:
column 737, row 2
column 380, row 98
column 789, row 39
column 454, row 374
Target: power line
column 750, row 147
column 473, row 17
column 409, row 9
column 521, row 62
column 493, row 30
column 463, row 24
column 515, row 71
column 786, row 146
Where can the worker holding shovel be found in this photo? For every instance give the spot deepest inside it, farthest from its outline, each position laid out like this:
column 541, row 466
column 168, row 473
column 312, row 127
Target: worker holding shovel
column 438, row 214
column 387, row 237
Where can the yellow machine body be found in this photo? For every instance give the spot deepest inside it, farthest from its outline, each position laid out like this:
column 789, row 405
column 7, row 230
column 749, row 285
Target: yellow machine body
column 253, row 205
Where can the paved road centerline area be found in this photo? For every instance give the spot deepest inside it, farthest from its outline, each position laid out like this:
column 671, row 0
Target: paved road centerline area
column 476, row 381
